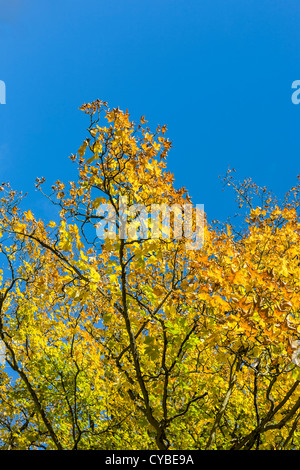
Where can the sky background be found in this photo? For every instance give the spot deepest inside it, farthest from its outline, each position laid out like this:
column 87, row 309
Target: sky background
column 218, row 73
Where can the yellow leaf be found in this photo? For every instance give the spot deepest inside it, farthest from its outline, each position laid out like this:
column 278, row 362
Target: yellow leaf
column 29, row 215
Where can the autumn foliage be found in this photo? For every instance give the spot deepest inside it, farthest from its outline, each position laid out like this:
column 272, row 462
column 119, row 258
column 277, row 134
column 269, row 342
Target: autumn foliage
column 142, row 344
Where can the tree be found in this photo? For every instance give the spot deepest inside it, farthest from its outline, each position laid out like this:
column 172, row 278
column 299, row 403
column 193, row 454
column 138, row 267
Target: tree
column 141, row 343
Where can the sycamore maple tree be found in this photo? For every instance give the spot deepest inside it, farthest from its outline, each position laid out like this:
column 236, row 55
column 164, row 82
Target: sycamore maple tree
column 142, row 344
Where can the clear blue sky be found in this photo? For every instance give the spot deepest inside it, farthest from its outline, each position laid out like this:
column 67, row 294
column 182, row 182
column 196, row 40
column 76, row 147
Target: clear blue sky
column 217, row 72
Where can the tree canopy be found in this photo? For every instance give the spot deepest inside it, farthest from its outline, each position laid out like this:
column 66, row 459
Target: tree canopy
column 136, row 344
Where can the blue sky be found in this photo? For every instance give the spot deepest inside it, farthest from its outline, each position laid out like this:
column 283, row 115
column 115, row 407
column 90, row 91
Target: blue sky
column 218, row 73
